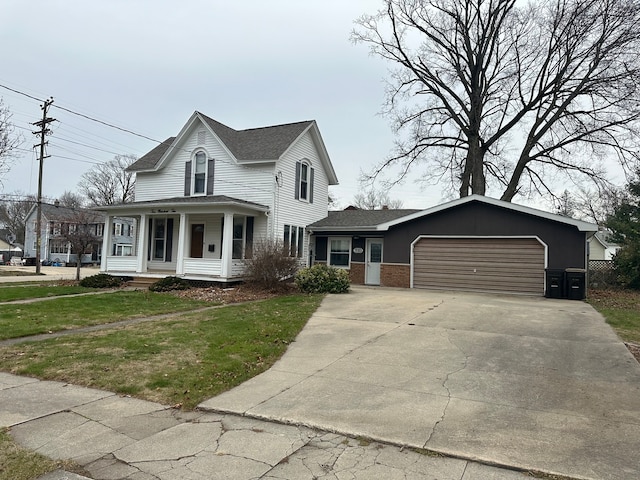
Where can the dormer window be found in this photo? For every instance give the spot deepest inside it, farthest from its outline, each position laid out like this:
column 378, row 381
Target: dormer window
column 200, row 173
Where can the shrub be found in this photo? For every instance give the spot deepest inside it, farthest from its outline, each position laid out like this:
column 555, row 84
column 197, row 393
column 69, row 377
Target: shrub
column 322, row 278
column 168, row 284
column 101, row 280
column 270, row 264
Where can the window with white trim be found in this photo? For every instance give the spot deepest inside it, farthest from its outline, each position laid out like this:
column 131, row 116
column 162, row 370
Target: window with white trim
column 294, row 240
column 59, row 247
column 99, row 229
column 121, row 250
column 200, row 173
column 339, row 253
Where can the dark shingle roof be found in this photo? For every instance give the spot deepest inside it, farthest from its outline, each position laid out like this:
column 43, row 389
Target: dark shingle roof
column 266, row 143
column 359, row 218
column 150, row 159
column 63, row 214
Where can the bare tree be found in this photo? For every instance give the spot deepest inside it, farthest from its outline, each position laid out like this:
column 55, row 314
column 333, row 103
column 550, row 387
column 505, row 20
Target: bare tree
column 109, row 183
column 373, row 199
column 80, row 231
column 489, row 93
column 14, row 209
column 9, row 140
column 71, row 199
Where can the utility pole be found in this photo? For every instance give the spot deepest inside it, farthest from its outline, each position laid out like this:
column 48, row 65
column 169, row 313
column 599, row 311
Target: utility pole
column 44, row 131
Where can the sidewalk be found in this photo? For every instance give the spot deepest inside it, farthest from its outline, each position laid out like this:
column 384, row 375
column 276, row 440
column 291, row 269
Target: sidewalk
column 48, row 273
column 115, row 437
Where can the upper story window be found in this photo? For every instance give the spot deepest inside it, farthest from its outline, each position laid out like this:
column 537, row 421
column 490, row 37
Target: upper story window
column 304, row 182
column 200, row 173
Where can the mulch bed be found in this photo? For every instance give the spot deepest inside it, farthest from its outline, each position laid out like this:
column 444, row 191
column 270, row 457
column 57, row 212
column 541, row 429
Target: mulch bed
column 227, row 295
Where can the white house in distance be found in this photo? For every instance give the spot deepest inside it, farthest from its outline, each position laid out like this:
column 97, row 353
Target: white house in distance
column 204, row 197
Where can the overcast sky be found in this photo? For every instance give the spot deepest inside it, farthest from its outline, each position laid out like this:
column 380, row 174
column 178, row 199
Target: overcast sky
column 146, row 65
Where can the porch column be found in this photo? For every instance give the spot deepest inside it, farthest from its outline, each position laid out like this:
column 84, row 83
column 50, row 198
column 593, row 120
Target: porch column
column 182, row 239
column 106, row 243
column 227, row 246
column 141, row 250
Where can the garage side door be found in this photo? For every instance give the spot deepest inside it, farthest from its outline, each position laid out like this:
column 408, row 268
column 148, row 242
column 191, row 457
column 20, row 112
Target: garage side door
column 513, row 265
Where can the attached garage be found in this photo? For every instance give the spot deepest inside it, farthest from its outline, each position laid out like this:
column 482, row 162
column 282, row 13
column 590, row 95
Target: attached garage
column 474, row 243
column 493, row 264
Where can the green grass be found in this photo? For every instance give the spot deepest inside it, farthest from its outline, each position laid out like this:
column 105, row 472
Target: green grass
column 181, row 361
column 621, row 309
column 67, row 313
column 9, row 293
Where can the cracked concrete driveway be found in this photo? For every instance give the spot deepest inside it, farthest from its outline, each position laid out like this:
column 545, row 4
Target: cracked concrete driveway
column 531, row 383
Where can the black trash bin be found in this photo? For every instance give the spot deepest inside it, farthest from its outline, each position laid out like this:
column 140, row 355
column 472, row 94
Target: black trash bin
column 575, row 283
column 30, row 261
column 554, row 287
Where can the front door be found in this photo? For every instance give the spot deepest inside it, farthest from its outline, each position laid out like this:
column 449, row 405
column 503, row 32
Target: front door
column 197, row 240
column 374, row 259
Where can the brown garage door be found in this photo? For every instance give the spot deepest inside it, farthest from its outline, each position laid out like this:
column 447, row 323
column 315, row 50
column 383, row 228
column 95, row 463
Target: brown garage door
column 513, row 265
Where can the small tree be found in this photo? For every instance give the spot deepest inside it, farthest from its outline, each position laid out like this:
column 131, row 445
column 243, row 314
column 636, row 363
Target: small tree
column 270, row 264
column 80, row 232
column 9, row 140
column 624, row 224
column 13, row 213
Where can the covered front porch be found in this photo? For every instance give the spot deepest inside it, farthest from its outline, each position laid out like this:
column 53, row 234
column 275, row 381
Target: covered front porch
column 200, row 241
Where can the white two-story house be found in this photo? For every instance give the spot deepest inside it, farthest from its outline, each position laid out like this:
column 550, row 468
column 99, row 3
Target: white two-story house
column 206, row 196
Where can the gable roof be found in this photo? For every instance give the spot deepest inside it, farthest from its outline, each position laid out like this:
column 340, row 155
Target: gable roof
column 264, row 144
column 149, row 160
column 65, row 214
column 354, row 220
column 603, row 239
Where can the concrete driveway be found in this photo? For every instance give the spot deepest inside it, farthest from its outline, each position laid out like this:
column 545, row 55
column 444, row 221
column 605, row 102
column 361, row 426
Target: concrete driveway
column 531, row 383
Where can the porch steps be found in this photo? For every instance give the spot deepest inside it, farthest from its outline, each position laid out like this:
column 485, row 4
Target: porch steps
column 141, row 283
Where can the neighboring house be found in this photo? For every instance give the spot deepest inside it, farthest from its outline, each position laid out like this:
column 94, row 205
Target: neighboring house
column 57, row 221
column 204, row 197
column 600, row 248
column 473, row 243
column 7, row 251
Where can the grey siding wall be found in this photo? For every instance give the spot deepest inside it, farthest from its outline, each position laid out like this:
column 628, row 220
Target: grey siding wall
column 566, row 244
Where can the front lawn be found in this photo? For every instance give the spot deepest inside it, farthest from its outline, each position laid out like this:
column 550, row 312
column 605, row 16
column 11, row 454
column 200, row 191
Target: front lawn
column 11, row 292
column 180, row 361
column 621, row 309
column 67, row 313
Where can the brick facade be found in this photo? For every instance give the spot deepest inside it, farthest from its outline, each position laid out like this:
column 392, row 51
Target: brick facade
column 395, row 275
column 356, row 273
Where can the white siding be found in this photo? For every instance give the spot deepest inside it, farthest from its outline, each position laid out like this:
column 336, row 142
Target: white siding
column 290, row 211
column 246, row 182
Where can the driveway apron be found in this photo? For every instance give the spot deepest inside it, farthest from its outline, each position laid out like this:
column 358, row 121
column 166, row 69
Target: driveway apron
column 526, row 382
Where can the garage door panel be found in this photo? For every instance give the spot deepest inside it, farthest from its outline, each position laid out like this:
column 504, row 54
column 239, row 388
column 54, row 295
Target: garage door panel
column 480, row 264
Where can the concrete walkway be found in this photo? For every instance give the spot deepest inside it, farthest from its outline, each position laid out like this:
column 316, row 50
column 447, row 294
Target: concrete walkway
column 530, row 383
column 124, row 438
column 522, row 383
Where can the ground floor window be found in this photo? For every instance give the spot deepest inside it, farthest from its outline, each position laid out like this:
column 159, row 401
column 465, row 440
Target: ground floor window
column 120, row 250
column 294, row 240
column 339, row 250
column 59, row 247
